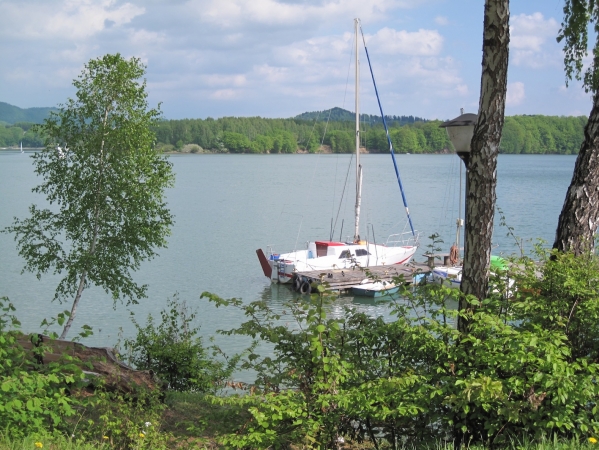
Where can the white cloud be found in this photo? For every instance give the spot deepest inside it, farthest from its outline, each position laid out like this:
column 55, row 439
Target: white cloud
column 224, row 80
column 441, row 20
column 271, row 74
column 224, row 94
column 462, row 89
column 417, row 43
column 67, row 20
column 273, row 13
column 532, row 40
column 515, row 94
column 145, row 38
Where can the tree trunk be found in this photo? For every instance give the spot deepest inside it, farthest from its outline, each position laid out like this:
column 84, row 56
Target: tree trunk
column 481, row 176
column 579, row 218
column 69, row 322
column 92, row 249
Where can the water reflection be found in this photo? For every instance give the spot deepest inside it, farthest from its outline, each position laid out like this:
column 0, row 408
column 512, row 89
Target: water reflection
column 278, row 297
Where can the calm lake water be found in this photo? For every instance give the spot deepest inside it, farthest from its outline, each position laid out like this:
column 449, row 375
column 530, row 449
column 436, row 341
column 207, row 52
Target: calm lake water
column 227, row 206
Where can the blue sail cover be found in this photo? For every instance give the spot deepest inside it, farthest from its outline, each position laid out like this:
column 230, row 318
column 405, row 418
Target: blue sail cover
column 403, row 195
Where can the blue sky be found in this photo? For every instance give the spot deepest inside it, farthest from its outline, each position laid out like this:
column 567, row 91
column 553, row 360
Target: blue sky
column 279, row 58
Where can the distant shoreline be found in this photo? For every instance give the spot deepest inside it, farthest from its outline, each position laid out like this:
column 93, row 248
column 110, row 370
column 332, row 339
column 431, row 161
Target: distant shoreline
column 299, row 152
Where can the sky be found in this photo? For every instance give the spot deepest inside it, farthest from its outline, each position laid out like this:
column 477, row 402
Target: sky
column 280, row 58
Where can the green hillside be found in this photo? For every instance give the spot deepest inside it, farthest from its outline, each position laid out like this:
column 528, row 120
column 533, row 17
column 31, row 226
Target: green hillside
column 13, row 114
column 521, row 134
column 308, row 131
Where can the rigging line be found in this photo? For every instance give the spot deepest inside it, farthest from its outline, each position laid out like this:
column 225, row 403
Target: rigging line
column 443, row 224
column 453, row 206
column 403, row 196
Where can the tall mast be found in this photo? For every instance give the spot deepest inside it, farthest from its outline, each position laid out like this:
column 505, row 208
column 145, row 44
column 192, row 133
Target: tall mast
column 358, row 166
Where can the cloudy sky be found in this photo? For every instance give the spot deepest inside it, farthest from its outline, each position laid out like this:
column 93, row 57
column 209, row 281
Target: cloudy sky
column 279, row 58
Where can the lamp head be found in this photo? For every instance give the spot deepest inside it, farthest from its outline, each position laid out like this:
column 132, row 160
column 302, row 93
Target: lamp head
column 460, row 131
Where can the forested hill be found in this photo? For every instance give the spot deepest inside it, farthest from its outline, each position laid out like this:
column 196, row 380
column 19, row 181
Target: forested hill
column 13, row 114
column 339, row 115
column 306, row 132
column 521, row 134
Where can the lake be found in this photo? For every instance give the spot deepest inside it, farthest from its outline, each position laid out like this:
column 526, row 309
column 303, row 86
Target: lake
column 227, row 206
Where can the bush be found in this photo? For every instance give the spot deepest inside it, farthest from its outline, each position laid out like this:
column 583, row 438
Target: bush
column 35, row 397
column 526, row 367
column 175, row 353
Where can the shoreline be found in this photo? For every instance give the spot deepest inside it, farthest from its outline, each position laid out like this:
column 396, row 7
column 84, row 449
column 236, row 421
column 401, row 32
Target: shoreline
column 363, row 151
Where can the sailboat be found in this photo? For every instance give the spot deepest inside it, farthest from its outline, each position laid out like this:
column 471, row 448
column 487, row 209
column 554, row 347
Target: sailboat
column 22, row 147
column 326, row 255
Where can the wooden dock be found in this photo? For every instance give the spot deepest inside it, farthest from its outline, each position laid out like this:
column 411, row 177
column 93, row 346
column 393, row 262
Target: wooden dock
column 344, row 280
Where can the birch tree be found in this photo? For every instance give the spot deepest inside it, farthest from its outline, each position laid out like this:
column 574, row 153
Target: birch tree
column 105, row 183
column 579, row 218
column 482, row 164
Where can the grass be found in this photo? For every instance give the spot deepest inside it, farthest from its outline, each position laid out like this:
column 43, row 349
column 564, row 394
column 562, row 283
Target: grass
column 193, row 418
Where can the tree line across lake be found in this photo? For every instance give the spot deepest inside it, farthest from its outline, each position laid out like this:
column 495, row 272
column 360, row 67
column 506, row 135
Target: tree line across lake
column 535, row 134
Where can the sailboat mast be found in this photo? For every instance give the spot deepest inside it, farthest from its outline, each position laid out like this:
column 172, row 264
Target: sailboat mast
column 358, row 166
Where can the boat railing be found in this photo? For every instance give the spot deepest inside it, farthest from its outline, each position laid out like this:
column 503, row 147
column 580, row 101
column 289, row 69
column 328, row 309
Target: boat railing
column 406, row 239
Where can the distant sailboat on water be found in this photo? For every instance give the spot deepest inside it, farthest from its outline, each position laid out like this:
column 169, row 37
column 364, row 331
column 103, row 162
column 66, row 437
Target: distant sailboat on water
column 22, row 147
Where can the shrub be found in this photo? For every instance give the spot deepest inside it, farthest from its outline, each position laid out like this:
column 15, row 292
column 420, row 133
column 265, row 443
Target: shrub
column 35, row 397
column 175, row 352
column 525, row 367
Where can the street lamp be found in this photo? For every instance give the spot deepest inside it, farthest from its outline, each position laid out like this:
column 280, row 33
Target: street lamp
column 460, row 131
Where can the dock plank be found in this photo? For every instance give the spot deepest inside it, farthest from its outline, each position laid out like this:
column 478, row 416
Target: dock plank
column 344, row 279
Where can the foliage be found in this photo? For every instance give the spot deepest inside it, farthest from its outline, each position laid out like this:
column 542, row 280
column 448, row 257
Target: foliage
column 542, row 134
column 526, row 367
column 57, row 399
column 125, row 421
column 338, row 114
column 14, row 135
column 175, row 353
column 563, row 295
column 106, row 183
column 48, row 442
column 35, row 397
column 522, row 134
column 574, row 32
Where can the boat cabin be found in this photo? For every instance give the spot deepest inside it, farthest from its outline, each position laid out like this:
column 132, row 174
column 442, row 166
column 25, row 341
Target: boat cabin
column 341, row 250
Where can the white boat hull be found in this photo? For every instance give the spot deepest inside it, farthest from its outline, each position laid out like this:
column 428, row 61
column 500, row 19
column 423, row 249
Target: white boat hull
column 448, row 276
column 338, row 255
column 451, row 276
column 375, row 289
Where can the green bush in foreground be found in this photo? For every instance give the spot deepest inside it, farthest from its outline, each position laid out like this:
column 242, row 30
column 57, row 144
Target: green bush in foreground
column 34, row 397
column 53, row 400
column 526, row 367
column 173, row 350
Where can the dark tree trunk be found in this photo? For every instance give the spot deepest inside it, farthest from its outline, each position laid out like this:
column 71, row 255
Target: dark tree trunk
column 579, row 218
column 482, row 175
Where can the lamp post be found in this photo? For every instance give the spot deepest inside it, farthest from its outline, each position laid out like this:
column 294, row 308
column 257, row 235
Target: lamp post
column 460, row 131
